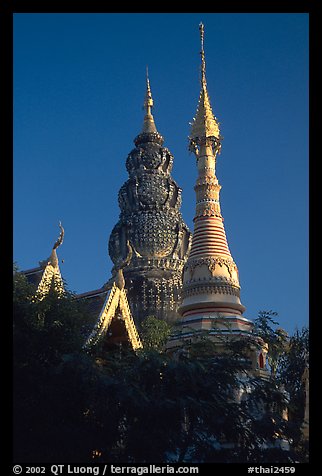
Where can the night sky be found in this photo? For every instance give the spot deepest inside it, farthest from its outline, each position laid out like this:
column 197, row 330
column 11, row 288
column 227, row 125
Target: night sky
column 79, row 87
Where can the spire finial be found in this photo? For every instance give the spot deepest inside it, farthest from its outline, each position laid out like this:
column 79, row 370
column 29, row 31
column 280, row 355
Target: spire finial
column 148, row 125
column 205, row 127
column 60, row 238
column 148, row 101
column 53, row 259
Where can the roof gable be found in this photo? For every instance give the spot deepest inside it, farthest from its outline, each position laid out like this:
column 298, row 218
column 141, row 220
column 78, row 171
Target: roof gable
column 116, row 306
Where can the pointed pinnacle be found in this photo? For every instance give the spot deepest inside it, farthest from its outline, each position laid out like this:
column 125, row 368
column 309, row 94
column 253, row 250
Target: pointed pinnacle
column 204, row 124
column 148, row 124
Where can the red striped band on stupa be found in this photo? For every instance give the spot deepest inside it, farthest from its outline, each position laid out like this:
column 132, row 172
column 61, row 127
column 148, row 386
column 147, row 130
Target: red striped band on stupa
column 234, row 313
column 209, row 237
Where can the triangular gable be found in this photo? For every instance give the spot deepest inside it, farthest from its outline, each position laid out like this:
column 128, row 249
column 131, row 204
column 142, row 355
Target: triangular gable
column 51, row 277
column 116, row 301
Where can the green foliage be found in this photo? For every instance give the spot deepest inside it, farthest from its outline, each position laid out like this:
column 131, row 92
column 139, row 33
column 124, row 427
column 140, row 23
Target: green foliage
column 277, row 339
column 131, row 407
column 155, row 333
column 45, row 335
column 292, row 366
column 54, row 325
column 288, row 356
column 294, row 360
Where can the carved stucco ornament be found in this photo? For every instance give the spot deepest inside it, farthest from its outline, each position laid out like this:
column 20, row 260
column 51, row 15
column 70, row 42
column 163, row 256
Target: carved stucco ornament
column 212, row 263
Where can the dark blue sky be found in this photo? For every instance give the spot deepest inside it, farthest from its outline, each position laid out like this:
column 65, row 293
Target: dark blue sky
column 79, row 86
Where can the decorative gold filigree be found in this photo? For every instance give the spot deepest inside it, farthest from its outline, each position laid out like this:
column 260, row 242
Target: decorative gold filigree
column 115, row 301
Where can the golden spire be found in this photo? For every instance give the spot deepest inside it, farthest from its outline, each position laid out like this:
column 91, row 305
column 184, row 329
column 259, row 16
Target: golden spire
column 148, row 124
column 205, row 127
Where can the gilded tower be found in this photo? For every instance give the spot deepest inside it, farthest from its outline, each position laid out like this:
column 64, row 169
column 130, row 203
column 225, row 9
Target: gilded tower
column 150, row 236
column 211, row 290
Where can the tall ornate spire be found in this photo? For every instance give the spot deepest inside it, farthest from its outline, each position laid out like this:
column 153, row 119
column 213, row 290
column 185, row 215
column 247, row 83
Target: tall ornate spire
column 210, row 279
column 205, row 132
column 151, row 226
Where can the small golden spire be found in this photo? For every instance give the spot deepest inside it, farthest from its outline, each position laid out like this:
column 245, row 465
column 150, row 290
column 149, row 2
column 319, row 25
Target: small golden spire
column 205, row 127
column 148, row 124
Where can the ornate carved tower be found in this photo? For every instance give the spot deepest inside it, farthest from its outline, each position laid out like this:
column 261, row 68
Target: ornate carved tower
column 150, row 230
column 211, row 288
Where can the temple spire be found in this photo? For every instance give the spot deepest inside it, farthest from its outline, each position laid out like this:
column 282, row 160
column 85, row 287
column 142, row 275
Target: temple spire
column 148, row 124
column 205, row 131
column 211, row 287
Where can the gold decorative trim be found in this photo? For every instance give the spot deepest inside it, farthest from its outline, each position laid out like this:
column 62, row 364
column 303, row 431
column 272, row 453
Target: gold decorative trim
column 211, row 288
column 50, row 275
column 116, row 299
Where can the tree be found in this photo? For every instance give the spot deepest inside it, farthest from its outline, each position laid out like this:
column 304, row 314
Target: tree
column 277, row 339
column 292, row 367
column 155, row 333
column 46, row 335
column 288, row 357
column 149, row 406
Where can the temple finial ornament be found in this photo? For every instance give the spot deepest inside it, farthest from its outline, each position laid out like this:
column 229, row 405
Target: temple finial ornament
column 148, row 102
column 205, row 127
column 148, row 124
column 51, row 275
column 60, row 238
column 53, row 259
